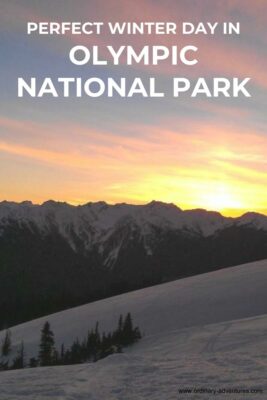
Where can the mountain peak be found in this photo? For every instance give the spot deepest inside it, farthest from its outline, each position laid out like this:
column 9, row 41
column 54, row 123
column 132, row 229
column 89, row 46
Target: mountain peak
column 254, row 219
column 161, row 204
column 54, row 203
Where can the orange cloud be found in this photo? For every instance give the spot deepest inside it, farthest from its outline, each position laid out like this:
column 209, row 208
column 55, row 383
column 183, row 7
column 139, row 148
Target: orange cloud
column 185, row 165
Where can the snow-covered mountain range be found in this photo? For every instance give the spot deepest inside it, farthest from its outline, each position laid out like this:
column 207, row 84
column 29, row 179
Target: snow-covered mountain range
column 94, row 224
column 56, row 255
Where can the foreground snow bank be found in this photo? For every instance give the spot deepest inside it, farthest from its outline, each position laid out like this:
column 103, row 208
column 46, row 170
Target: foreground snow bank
column 227, row 355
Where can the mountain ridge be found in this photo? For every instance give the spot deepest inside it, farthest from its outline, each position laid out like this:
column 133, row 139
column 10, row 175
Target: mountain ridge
column 104, row 203
column 148, row 213
column 56, row 255
column 93, row 223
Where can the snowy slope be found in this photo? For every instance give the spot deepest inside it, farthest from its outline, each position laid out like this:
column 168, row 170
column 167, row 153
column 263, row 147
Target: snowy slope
column 223, row 295
column 228, row 355
column 204, row 331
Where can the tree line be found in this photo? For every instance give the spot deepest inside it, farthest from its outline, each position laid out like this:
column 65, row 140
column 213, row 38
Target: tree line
column 91, row 348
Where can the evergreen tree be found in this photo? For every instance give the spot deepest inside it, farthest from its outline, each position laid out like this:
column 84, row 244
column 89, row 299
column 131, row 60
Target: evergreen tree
column 117, row 335
column 55, row 358
column 62, row 353
column 47, row 346
column 76, row 352
column 84, row 355
column 120, row 323
column 90, row 345
column 127, row 331
column 96, row 343
column 19, row 361
column 107, row 345
column 92, row 348
column 6, row 344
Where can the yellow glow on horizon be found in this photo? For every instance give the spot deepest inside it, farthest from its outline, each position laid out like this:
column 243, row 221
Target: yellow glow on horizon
column 226, row 172
column 221, row 199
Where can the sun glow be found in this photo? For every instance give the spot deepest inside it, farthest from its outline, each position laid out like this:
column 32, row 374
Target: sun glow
column 226, row 172
column 221, row 199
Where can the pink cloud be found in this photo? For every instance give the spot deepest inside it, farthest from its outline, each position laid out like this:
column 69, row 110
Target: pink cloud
column 159, row 160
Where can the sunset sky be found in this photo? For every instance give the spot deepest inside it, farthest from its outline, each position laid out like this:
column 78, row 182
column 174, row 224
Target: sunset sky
column 204, row 153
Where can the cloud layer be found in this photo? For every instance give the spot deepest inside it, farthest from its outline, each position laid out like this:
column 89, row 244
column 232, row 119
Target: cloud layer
column 200, row 153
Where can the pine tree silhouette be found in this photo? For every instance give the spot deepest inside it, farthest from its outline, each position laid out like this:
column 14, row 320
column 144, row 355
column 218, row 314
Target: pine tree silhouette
column 92, row 348
column 129, row 334
column 47, row 346
column 19, row 361
column 120, row 323
column 62, row 353
column 6, row 344
column 96, row 343
column 127, row 331
column 76, row 353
